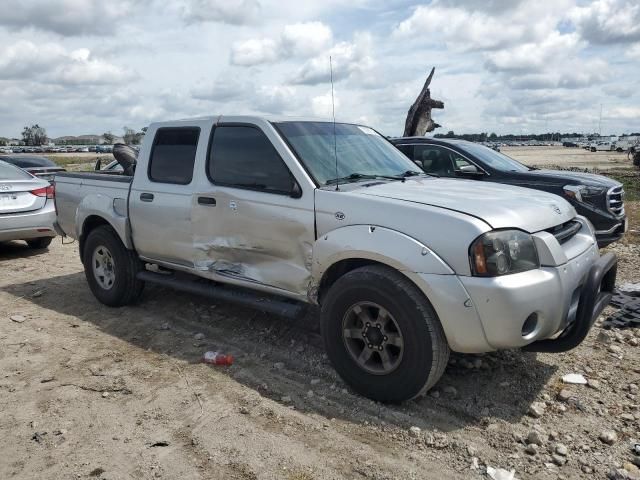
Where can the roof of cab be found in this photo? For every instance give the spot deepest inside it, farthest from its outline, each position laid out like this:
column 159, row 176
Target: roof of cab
column 240, row 119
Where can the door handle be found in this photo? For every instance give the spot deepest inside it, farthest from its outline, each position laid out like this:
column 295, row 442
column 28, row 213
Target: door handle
column 146, row 197
column 207, row 201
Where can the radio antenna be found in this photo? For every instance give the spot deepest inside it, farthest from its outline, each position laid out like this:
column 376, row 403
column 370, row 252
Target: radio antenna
column 333, row 110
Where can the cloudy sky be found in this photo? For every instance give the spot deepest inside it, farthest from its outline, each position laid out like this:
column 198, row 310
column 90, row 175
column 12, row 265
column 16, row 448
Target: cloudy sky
column 519, row 66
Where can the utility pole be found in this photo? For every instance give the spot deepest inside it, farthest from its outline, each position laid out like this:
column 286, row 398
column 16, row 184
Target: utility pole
column 600, row 122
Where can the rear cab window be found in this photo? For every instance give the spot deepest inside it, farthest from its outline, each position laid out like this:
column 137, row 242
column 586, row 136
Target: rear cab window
column 173, row 155
column 242, row 156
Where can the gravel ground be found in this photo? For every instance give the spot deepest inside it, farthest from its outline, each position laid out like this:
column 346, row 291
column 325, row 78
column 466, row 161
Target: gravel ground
column 92, row 392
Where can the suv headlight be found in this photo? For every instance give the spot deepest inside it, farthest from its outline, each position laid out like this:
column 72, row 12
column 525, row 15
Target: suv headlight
column 583, row 193
column 502, row 252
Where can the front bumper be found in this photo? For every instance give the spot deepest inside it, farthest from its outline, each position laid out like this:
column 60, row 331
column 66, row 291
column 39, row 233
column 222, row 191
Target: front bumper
column 609, row 228
column 24, row 226
column 484, row 314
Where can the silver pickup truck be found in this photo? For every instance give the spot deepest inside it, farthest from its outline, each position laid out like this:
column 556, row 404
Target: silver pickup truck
column 281, row 214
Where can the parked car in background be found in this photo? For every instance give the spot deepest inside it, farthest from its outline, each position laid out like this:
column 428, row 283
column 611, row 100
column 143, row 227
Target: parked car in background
column 27, row 210
column 41, row 167
column 403, row 266
column 602, row 147
column 597, row 197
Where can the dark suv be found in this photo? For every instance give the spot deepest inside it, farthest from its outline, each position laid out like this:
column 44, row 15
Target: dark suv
column 597, row 197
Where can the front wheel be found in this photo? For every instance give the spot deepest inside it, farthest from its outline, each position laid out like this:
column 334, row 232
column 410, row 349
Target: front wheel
column 111, row 269
column 382, row 335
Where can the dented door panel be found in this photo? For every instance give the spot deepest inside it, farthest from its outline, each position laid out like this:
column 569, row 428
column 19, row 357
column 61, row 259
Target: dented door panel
column 255, row 237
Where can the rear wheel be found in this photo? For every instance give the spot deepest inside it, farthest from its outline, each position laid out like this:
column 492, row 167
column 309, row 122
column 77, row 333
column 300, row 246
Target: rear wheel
column 39, row 243
column 382, row 334
column 111, row 269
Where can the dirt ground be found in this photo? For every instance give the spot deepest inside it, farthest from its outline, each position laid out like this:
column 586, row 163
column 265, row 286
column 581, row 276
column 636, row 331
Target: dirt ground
column 567, row 157
column 92, row 392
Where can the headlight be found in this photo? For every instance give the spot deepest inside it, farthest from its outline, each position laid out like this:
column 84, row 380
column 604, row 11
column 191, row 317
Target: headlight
column 502, row 252
column 583, row 193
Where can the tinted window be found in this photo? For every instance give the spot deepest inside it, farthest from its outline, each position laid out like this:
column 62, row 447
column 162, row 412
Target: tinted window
column 494, row 159
column 9, row 172
column 244, row 157
column 28, row 162
column 173, row 155
column 439, row 160
column 434, row 160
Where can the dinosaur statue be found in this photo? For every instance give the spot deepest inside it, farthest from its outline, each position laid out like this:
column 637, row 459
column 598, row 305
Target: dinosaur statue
column 419, row 119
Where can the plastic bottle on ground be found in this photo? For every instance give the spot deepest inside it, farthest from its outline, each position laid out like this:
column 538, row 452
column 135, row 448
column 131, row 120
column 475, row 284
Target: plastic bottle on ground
column 217, row 358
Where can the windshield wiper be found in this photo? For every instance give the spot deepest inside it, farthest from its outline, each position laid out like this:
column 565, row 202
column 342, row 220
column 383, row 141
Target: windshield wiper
column 362, row 176
column 413, row 173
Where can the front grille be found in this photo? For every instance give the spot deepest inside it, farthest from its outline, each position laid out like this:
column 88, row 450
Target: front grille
column 565, row 231
column 615, row 201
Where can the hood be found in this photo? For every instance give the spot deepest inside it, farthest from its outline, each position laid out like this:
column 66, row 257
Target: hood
column 499, row 205
column 565, row 177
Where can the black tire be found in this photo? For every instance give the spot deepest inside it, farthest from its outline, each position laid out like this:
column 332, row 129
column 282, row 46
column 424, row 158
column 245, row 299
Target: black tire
column 425, row 350
column 125, row 288
column 39, row 243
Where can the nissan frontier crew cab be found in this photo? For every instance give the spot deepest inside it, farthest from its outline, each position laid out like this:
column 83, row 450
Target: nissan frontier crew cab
column 281, row 214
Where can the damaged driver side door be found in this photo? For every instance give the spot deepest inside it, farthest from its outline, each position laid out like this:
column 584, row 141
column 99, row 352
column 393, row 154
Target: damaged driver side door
column 251, row 220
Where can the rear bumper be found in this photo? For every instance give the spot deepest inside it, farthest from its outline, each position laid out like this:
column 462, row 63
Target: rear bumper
column 24, row 226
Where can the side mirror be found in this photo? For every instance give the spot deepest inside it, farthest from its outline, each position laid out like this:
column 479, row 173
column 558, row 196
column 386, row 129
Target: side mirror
column 469, row 170
column 296, row 191
column 98, row 165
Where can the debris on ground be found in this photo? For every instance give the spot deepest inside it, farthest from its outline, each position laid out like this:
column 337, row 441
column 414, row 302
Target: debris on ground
column 17, row 318
column 500, row 473
column 574, row 378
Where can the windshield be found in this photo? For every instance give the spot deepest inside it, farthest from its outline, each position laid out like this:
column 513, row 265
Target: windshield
column 362, row 153
column 496, row 160
column 9, row 172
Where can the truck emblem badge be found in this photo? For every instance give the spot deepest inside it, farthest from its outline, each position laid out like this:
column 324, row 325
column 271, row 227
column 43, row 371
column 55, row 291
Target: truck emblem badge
column 556, row 208
column 339, row 216
column 233, row 205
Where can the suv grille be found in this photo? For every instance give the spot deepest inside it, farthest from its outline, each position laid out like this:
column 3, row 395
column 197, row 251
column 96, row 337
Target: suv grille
column 565, row 231
column 615, row 201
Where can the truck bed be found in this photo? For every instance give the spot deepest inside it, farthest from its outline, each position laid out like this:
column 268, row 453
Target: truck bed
column 80, row 194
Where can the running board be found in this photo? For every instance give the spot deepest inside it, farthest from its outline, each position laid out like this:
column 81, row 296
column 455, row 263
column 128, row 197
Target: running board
column 240, row 296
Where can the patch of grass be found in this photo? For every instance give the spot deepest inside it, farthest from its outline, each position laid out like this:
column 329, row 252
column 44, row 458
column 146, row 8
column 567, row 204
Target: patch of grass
column 631, row 181
column 65, row 160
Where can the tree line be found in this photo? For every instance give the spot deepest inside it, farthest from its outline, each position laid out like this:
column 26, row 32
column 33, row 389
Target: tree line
column 35, row 136
column 492, row 137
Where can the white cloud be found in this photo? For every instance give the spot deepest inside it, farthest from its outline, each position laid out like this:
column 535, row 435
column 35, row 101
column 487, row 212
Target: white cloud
column 51, row 63
column 347, row 58
column 322, row 105
column 224, row 88
column 86, row 66
column 531, row 57
column 298, row 39
column 633, row 52
column 276, row 99
column 235, row 12
column 67, row 17
column 466, row 29
column 631, row 113
column 254, row 51
column 305, row 39
column 608, row 21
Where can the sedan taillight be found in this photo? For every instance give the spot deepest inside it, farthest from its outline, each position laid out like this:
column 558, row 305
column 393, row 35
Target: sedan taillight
column 49, row 192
